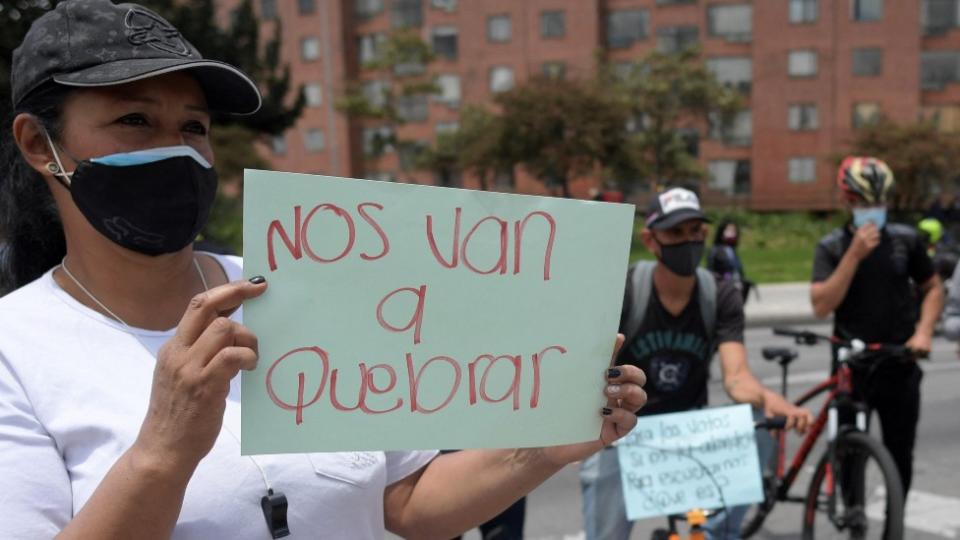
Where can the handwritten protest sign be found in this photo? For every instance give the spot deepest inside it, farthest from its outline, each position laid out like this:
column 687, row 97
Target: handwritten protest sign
column 671, row 463
column 405, row 317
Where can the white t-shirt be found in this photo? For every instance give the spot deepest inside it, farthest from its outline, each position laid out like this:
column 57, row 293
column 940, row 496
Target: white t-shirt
column 74, row 388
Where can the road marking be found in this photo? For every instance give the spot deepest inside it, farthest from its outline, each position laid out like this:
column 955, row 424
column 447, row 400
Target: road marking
column 926, row 512
column 809, row 377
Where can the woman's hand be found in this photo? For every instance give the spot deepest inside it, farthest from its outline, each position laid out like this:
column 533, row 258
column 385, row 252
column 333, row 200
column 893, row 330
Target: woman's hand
column 191, row 380
column 625, row 396
column 798, row 418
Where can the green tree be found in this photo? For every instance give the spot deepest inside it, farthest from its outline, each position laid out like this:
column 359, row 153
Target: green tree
column 664, row 92
column 238, row 43
column 922, row 158
column 393, row 85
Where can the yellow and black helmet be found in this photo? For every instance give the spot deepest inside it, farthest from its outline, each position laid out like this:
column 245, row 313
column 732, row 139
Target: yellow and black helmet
column 866, row 179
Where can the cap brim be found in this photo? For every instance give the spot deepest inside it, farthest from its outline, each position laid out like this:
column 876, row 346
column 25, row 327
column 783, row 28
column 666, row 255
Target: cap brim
column 227, row 88
column 677, row 217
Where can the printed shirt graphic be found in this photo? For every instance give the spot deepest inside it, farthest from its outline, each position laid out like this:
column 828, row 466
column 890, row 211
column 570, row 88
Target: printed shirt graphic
column 674, row 351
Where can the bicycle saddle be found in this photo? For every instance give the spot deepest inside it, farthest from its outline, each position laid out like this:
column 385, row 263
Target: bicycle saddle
column 783, row 354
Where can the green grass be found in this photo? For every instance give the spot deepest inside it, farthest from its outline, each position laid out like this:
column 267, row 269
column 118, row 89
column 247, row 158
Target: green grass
column 774, row 247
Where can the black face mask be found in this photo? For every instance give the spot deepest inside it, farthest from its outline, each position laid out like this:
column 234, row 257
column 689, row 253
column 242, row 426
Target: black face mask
column 682, row 259
column 151, row 208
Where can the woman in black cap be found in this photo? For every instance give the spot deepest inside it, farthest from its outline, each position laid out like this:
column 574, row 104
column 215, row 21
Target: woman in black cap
column 120, row 345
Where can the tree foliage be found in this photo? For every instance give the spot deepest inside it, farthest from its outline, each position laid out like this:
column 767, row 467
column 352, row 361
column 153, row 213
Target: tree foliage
column 922, row 158
column 664, row 92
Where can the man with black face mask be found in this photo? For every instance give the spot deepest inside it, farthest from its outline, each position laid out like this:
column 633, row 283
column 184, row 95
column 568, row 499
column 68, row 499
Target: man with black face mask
column 674, row 317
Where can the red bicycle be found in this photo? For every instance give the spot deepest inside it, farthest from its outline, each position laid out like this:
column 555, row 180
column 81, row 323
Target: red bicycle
column 855, row 491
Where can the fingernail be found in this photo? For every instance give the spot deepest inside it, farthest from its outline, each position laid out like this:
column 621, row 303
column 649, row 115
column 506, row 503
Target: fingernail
column 606, row 411
column 613, row 373
column 256, row 280
column 613, row 389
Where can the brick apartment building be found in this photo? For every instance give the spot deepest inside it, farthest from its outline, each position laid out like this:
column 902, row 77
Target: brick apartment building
column 813, row 70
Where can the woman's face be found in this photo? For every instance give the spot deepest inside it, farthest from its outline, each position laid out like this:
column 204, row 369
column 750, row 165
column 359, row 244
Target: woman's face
column 167, row 110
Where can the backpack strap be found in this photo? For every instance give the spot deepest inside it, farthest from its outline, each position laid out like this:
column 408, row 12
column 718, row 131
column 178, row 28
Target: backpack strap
column 707, row 286
column 641, row 283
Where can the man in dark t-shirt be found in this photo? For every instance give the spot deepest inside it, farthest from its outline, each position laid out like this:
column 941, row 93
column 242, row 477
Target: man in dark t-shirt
column 673, row 346
column 869, row 274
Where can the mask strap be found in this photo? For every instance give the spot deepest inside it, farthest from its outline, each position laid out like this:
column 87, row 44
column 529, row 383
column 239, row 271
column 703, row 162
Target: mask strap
column 57, row 170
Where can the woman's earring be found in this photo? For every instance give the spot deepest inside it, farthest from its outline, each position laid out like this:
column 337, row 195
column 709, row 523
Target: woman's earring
column 53, row 168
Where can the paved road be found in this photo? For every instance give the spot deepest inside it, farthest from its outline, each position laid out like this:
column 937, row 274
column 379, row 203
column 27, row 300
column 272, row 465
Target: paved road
column 934, row 508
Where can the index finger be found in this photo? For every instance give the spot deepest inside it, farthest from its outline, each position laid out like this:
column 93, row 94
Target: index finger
column 217, row 302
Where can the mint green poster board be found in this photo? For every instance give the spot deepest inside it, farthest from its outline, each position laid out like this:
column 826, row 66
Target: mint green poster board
column 707, row 459
column 417, row 317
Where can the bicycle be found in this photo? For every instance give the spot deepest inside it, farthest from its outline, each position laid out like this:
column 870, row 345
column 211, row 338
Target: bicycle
column 697, row 517
column 842, row 490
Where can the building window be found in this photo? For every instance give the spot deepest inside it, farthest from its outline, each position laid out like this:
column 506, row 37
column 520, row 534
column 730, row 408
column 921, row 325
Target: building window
column 268, row 9
column 690, row 137
column 378, row 141
column 313, row 94
column 867, row 62
column 449, row 86
column 737, row 131
column 939, row 16
column 445, row 41
column 552, row 24
column 498, row 28
column 866, row 10
column 501, row 78
column 802, row 169
column 410, row 153
column 732, row 22
column 626, row 26
column 671, row 39
column 310, row 48
column 306, row 7
column 865, row 114
column 412, row 108
column 366, row 9
column 938, row 69
column 406, row 13
column 803, row 117
column 313, row 140
column 945, row 117
column 731, row 176
column 803, row 11
column 278, row 143
column 554, row 70
column 375, row 92
column 369, row 47
column 446, row 128
column 802, row 63
column 732, row 71
column 448, row 177
column 445, row 5
column 504, row 180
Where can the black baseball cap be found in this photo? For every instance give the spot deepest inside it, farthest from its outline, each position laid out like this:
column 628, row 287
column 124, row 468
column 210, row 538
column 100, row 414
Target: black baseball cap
column 673, row 207
column 91, row 43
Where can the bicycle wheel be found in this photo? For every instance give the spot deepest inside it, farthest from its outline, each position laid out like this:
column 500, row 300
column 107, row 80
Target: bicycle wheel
column 856, row 495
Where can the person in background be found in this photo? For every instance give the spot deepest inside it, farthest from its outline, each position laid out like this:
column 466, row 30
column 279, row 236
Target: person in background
column 869, row 273
column 723, row 260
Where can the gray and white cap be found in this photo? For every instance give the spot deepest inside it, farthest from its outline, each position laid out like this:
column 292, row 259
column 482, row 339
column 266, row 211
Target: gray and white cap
column 90, row 43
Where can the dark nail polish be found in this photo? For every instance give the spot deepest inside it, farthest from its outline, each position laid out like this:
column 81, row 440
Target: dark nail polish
column 607, row 411
column 613, row 373
column 256, row 280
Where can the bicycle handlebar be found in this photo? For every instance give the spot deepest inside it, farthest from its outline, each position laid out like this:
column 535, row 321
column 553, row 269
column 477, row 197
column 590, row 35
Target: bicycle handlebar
column 776, row 422
column 805, row 337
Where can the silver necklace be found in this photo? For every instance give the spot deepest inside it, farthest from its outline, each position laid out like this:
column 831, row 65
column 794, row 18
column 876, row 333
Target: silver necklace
column 274, row 504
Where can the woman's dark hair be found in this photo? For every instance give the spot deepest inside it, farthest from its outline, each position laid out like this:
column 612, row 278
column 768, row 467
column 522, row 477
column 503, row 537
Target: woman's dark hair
column 722, row 226
column 31, row 235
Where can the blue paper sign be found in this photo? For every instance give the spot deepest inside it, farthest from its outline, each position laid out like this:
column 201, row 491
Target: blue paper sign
column 672, row 463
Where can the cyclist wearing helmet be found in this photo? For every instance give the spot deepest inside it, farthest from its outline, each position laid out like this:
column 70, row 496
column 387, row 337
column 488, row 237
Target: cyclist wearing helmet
column 869, row 274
